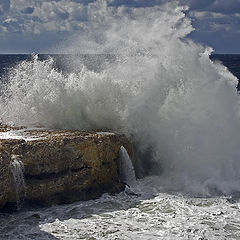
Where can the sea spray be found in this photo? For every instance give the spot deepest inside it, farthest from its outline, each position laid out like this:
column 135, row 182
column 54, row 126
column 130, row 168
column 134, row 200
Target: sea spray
column 162, row 90
column 126, row 169
column 17, row 170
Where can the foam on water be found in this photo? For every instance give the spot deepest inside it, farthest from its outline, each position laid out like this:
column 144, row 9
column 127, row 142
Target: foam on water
column 161, row 217
column 162, row 90
column 23, row 134
column 152, row 214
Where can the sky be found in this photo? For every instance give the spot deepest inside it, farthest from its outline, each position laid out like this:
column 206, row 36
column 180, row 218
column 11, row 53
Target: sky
column 28, row 26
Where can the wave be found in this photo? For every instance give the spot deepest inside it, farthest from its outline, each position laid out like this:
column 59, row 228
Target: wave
column 162, row 90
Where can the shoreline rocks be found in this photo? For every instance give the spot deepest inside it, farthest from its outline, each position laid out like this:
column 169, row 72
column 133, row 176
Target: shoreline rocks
column 60, row 166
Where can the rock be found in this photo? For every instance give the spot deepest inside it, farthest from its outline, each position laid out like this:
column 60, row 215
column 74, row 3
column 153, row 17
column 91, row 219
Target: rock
column 5, row 180
column 60, row 166
column 36, row 215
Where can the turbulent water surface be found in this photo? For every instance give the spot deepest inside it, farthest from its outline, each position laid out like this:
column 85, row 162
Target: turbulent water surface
column 141, row 75
column 145, row 211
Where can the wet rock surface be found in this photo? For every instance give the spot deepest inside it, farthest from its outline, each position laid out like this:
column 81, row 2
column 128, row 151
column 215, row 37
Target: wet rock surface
column 60, row 166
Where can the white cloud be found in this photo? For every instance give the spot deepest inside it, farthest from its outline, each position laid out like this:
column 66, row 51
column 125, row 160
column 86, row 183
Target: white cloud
column 36, row 16
column 211, row 21
column 220, row 27
column 221, row 6
column 42, row 17
column 207, row 14
column 4, row 6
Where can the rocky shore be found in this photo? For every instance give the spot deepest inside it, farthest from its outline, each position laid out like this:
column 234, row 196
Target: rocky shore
column 59, row 166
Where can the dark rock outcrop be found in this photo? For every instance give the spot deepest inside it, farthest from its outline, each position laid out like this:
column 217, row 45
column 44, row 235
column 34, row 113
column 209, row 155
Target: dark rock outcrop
column 60, row 166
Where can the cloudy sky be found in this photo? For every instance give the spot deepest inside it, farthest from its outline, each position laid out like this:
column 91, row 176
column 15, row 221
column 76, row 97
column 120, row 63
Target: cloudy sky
column 28, row 26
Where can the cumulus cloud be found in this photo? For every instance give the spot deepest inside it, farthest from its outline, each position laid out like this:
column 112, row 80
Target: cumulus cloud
column 216, row 23
column 39, row 16
column 221, row 6
column 4, row 6
column 28, row 10
column 207, row 14
column 62, row 17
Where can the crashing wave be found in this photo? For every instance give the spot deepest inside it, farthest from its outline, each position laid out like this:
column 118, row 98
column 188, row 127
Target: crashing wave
column 162, row 89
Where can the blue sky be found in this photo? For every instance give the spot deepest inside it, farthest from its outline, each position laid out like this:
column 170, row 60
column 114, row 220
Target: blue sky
column 28, row 26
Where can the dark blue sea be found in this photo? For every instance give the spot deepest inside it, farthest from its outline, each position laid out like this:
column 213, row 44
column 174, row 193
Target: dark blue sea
column 231, row 61
column 62, row 62
column 8, row 61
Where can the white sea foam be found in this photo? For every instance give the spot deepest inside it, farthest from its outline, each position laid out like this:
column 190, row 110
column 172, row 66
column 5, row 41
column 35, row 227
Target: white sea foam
column 22, row 134
column 162, row 89
column 152, row 214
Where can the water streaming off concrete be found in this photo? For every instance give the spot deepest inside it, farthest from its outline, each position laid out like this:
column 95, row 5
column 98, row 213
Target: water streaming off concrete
column 17, row 170
column 126, row 169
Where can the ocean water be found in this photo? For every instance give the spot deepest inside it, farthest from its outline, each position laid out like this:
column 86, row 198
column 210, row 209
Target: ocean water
column 63, row 62
column 135, row 71
column 146, row 211
column 231, row 61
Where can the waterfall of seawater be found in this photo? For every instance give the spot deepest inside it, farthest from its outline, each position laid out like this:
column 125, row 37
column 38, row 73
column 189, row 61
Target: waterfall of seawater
column 17, row 170
column 126, row 169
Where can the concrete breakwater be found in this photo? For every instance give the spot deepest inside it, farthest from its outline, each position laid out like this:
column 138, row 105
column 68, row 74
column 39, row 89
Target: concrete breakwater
column 60, row 166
